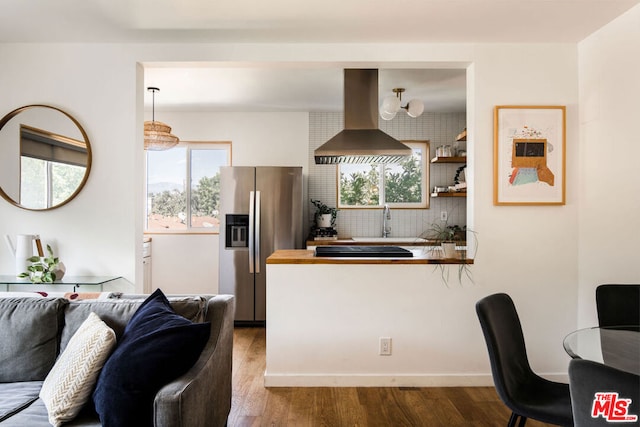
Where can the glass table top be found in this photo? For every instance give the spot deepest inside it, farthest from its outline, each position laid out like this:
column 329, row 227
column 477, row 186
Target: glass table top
column 66, row 280
column 618, row 347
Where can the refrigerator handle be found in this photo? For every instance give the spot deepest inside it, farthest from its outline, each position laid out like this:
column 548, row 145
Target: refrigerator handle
column 251, row 230
column 258, row 257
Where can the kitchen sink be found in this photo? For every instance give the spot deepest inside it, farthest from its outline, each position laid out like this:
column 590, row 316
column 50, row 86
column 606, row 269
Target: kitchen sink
column 390, row 240
column 363, row 251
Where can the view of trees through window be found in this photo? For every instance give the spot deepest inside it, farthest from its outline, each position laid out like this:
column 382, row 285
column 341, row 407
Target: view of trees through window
column 401, row 184
column 174, row 205
column 45, row 183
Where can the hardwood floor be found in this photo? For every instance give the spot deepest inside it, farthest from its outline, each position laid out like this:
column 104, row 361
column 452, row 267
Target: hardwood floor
column 255, row 405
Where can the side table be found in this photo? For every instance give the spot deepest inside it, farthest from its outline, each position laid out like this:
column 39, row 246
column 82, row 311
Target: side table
column 10, row 283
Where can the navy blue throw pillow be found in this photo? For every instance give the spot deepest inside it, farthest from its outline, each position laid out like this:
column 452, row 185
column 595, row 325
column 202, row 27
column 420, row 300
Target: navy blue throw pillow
column 157, row 346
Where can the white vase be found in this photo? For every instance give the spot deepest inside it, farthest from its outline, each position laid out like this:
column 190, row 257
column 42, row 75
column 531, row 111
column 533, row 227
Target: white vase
column 449, row 249
column 324, row 221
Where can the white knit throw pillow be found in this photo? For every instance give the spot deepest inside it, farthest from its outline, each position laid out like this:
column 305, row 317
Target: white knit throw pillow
column 71, row 380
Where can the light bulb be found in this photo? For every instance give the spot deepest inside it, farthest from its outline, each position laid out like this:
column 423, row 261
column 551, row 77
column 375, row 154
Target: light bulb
column 415, row 107
column 385, row 115
column 390, row 105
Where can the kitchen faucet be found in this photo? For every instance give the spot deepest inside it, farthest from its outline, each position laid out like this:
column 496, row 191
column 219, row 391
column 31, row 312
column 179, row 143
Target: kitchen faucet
column 386, row 218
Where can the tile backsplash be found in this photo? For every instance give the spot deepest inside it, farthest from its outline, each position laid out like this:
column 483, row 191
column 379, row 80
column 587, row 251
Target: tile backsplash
column 437, row 128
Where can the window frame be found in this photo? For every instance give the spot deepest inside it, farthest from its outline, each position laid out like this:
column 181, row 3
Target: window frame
column 49, row 186
column 425, row 204
column 190, row 146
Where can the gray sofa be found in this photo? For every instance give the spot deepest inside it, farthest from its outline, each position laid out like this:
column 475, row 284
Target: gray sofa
column 34, row 331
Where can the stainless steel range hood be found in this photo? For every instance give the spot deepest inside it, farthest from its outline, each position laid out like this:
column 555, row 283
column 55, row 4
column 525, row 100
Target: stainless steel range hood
column 361, row 141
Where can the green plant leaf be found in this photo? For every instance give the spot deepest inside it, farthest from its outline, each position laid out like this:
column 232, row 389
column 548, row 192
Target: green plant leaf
column 33, row 259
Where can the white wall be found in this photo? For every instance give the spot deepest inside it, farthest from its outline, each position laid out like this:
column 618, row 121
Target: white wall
column 324, row 330
column 98, row 232
column 530, row 252
column 609, row 214
column 189, row 263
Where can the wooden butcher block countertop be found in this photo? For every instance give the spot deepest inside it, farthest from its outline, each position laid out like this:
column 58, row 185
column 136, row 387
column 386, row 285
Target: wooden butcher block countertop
column 302, row 256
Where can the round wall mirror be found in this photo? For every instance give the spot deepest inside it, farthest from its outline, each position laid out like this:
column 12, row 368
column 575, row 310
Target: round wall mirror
column 45, row 157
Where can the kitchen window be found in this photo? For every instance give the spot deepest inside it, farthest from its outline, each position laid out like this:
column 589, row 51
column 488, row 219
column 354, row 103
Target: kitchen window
column 183, row 187
column 400, row 185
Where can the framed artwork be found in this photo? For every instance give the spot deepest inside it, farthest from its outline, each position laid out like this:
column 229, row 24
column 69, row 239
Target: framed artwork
column 529, row 155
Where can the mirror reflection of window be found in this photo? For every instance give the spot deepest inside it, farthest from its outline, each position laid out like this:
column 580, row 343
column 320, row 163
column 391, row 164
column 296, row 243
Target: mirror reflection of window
column 43, row 150
column 44, row 184
column 52, row 167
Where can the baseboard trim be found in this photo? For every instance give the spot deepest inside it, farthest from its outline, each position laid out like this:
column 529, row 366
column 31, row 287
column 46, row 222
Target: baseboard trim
column 372, row 380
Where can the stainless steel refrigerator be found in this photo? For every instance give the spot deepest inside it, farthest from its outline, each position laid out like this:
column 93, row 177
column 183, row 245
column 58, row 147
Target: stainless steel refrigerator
column 260, row 212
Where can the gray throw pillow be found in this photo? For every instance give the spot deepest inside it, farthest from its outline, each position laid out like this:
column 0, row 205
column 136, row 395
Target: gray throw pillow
column 29, row 331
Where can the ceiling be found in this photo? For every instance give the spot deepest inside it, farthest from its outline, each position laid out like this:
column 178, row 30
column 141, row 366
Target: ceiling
column 269, row 87
column 278, row 88
column 327, row 21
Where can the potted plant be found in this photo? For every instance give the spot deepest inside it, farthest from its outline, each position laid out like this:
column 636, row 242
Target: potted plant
column 325, row 216
column 44, row 269
column 446, row 236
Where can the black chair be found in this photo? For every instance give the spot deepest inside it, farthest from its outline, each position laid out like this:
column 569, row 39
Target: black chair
column 586, row 378
column 618, row 305
column 527, row 394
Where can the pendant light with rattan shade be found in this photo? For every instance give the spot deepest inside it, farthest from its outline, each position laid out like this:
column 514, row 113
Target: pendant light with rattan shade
column 157, row 135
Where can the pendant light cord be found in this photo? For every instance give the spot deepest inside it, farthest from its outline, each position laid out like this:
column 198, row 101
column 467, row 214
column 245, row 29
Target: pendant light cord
column 153, row 102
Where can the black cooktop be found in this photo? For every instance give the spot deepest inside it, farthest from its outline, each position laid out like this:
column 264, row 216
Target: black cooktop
column 363, row 251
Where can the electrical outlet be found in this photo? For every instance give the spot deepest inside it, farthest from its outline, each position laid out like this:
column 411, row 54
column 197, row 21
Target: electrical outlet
column 444, row 215
column 385, row 346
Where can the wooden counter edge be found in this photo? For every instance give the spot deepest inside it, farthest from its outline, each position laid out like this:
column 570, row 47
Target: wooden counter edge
column 351, row 242
column 303, row 256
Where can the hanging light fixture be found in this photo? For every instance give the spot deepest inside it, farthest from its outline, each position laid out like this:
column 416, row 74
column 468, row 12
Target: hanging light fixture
column 157, row 135
column 392, row 104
